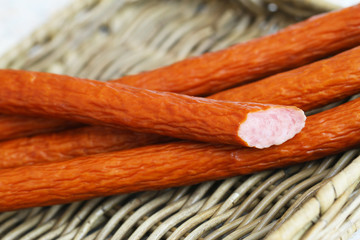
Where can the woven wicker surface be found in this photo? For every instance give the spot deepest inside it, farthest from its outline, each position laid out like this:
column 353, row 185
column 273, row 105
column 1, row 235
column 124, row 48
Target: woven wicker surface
column 107, row 39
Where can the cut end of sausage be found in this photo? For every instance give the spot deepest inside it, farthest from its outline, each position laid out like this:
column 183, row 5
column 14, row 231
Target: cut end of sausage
column 272, row 126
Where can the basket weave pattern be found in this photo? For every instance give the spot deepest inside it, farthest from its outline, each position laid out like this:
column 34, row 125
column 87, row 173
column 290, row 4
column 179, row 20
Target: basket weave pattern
column 107, row 39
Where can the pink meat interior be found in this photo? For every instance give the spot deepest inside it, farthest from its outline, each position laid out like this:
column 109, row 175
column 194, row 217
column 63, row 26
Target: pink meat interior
column 273, row 126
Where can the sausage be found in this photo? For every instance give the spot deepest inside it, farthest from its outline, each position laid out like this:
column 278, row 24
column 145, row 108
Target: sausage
column 70, row 144
column 294, row 46
column 307, row 87
column 173, row 164
column 170, row 114
column 12, row 126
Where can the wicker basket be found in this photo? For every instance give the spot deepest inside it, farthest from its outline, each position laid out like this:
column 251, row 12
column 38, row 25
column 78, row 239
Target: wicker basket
column 106, row 39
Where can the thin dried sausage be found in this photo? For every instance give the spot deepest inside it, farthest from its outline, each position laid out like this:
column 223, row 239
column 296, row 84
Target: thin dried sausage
column 12, row 126
column 70, row 144
column 307, row 87
column 142, row 110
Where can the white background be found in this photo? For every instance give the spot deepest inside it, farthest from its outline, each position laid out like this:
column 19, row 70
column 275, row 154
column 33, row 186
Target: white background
column 18, row 18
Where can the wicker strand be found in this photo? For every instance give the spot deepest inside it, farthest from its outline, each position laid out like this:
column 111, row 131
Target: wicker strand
column 322, row 201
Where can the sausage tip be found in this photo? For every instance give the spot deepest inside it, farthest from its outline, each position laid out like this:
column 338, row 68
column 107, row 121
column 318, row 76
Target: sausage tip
column 272, row 126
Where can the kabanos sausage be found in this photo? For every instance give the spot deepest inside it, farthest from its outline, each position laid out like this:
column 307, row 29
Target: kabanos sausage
column 307, row 87
column 12, row 126
column 71, row 143
column 141, row 110
column 175, row 164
